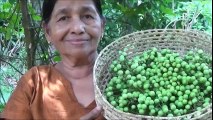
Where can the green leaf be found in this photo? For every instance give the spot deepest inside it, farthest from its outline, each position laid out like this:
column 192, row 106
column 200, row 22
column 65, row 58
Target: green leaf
column 1, row 107
column 7, row 6
column 12, row 1
column 167, row 10
column 8, row 34
column 37, row 17
column 122, row 8
column 57, row 59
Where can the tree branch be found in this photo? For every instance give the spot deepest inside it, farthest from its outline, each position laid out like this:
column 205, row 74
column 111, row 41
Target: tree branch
column 2, row 96
column 11, row 66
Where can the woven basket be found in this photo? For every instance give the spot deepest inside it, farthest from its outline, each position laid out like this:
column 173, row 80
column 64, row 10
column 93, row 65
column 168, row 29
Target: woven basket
column 177, row 40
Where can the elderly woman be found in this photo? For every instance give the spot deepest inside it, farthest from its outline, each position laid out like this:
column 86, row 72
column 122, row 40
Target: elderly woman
column 64, row 90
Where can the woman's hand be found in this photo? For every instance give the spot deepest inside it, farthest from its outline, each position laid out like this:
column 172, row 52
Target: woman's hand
column 92, row 114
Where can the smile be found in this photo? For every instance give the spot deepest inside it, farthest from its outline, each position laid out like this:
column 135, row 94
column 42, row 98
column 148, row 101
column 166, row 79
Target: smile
column 77, row 41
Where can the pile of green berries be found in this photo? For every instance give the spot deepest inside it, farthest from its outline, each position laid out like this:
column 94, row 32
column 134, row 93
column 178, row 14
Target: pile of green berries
column 160, row 82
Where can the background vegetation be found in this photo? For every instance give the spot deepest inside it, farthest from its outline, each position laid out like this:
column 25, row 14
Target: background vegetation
column 22, row 42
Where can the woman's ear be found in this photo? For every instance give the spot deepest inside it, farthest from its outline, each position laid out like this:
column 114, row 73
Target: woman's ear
column 46, row 31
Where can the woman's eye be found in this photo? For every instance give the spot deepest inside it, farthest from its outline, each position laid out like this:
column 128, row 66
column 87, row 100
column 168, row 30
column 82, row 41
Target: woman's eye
column 63, row 18
column 89, row 17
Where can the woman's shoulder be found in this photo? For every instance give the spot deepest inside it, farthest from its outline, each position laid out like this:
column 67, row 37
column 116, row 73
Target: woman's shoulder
column 36, row 70
column 41, row 67
column 38, row 73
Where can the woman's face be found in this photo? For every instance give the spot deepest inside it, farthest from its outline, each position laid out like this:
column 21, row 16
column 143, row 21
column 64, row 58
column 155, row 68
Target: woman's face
column 75, row 27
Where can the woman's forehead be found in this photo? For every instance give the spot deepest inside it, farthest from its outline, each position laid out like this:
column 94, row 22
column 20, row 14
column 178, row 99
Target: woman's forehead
column 74, row 3
column 69, row 5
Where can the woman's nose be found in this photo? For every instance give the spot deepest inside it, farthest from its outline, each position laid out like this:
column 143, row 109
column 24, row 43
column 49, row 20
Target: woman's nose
column 77, row 26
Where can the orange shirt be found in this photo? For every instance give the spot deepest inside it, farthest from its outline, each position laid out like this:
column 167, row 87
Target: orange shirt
column 43, row 93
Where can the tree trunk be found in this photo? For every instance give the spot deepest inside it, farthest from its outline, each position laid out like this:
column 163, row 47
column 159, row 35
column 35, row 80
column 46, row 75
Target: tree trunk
column 30, row 42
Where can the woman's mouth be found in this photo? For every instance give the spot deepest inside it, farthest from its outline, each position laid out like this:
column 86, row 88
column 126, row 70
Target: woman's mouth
column 77, row 41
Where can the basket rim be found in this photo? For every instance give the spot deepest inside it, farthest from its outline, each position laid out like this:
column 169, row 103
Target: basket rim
column 149, row 30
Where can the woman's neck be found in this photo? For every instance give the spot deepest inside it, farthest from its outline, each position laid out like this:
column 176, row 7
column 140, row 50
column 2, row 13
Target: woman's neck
column 77, row 68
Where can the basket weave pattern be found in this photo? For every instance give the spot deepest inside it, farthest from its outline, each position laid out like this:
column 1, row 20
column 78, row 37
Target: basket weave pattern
column 177, row 40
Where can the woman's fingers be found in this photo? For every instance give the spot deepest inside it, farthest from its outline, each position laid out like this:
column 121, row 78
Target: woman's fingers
column 92, row 114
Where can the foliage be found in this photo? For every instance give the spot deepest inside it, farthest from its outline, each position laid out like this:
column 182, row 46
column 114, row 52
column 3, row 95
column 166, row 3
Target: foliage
column 134, row 15
column 10, row 73
column 11, row 48
column 1, row 107
column 193, row 15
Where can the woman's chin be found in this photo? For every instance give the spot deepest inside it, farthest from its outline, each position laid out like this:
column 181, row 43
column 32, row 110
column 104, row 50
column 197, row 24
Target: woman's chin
column 79, row 53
